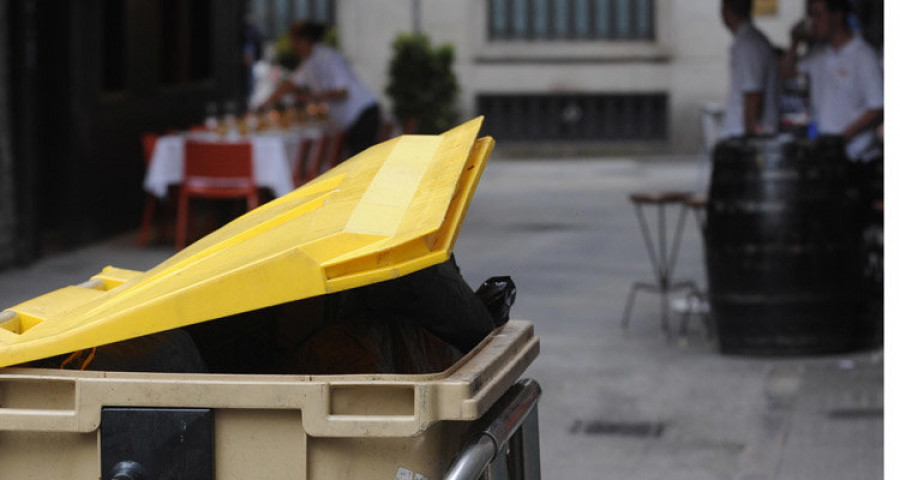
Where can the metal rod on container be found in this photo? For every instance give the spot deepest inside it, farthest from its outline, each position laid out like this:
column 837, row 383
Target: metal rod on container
column 513, row 409
column 531, row 447
column 474, row 459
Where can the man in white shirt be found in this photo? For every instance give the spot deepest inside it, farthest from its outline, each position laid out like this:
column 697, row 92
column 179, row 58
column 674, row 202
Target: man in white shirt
column 846, row 81
column 753, row 96
column 328, row 77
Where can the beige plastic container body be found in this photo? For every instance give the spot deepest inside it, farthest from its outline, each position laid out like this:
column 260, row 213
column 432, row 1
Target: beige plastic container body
column 268, row 426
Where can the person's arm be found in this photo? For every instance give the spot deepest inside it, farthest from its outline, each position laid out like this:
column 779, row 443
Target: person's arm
column 867, row 120
column 285, row 87
column 307, row 96
column 753, row 105
column 869, row 70
column 334, row 77
column 788, row 64
column 331, row 95
column 288, row 87
column 751, row 63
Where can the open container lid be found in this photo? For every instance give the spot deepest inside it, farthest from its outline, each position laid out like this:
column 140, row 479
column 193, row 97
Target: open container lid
column 391, row 210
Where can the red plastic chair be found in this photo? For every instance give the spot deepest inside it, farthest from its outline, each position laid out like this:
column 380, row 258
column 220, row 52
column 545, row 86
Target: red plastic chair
column 148, row 142
column 218, row 171
column 410, row 125
column 325, row 153
column 308, row 148
column 334, row 154
column 387, row 130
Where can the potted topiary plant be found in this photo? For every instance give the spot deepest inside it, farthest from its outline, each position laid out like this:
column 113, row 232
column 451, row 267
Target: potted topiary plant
column 422, row 85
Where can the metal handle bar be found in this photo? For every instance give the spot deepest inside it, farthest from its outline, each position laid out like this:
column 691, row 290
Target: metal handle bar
column 513, row 409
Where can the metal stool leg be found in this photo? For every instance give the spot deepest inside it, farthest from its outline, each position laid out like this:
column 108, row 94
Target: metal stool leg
column 698, row 206
column 676, row 241
column 664, row 298
column 668, row 256
column 654, row 262
column 635, row 287
column 628, row 304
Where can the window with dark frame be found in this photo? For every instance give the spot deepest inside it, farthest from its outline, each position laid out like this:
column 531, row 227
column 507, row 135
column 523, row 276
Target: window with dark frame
column 274, row 17
column 571, row 20
column 585, row 117
column 185, row 43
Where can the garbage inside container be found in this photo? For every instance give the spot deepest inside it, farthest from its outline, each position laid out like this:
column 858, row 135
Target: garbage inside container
column 436, row 298
column 498, row 294
column 173, row 351
column 420, row 323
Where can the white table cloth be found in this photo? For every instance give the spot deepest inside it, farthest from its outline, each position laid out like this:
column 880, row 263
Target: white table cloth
column 273, row 156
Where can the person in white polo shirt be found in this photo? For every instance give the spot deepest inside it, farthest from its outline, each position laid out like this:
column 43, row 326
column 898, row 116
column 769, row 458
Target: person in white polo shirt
column 846, row 79
column 846, row 94
column 327, row 76
column 753, row 96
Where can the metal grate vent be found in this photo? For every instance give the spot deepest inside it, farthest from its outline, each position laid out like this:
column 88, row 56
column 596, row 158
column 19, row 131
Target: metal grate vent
column 544, row 227
column 575, row 117
column 855, row 413
column 628, row 429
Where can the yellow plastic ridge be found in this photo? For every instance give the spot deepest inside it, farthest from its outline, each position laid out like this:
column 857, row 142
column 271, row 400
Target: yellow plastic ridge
column 391, row 210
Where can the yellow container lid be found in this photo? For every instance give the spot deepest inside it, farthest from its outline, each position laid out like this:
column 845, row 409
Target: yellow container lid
column 391, row 210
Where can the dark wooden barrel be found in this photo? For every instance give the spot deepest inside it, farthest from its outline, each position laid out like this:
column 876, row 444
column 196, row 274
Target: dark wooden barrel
column 783, row 251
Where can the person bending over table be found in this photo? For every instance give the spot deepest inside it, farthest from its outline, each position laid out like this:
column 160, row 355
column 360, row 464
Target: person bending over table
column 325, row 73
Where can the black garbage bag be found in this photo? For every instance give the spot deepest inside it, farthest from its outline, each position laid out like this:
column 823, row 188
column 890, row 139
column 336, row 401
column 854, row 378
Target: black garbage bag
column 498, row 294
column 242, row 343
column 419, row 323
column 260, row 341
column 172, row 351
column 373, row 345
column 416, row 324
column 436, row 298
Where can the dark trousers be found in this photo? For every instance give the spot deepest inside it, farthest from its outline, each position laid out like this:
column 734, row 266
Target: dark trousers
column 364, row 131
column 866, row 181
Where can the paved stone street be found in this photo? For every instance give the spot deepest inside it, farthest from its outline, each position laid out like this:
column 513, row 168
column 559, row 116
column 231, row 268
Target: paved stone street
column 619, row 406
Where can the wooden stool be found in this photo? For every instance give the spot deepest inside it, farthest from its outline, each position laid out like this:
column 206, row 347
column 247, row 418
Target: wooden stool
column 662, row 250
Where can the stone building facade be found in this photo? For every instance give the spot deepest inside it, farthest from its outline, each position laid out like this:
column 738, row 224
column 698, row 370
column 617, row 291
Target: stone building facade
column 661, row 64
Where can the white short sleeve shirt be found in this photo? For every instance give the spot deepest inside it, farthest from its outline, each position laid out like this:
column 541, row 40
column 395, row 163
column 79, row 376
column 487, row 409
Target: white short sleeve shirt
column 326, row 70
column 753, row 68
column 844, row 84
